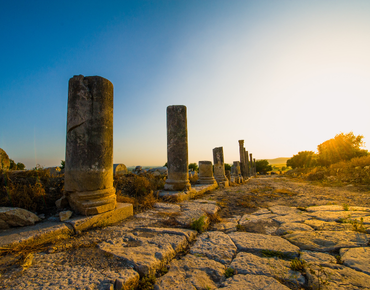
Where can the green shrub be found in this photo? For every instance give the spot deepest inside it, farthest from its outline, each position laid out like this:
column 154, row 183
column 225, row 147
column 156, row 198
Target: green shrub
column 200, row 224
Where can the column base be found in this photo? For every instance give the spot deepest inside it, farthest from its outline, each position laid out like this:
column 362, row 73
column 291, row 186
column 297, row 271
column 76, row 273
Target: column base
column 206, row 180
column 93, row 202
column 177, row 185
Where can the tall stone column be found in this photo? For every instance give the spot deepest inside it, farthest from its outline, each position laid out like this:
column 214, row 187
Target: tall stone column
column 248, row 172
column 177, row 149
column 254, row 166
column 251, row 163
column 206, row 173
column 219, row 166
column 88, row 180
column 242, row 158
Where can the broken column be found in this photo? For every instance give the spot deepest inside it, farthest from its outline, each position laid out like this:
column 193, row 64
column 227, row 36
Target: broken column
column 88, row 181
column 206, row 173
column 177, row 149
column 236, row 172
column 219, row 166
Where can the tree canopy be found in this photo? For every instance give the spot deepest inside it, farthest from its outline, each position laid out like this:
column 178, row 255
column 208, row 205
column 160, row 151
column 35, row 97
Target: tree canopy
column 340, row 148
column 262, row 166
column 303, row 159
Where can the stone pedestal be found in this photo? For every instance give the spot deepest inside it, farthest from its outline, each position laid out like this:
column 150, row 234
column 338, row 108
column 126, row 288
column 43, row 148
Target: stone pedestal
column 206, row 173
column 219, row 166
column 177, row 149
column 88, row 182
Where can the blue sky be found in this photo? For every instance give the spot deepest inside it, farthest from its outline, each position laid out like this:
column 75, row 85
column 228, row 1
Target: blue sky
column 284, row 76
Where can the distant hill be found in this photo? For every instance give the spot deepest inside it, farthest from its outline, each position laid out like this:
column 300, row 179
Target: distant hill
column 279, row 160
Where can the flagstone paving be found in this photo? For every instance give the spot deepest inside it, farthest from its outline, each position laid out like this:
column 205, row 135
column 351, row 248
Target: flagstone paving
column 265, row 240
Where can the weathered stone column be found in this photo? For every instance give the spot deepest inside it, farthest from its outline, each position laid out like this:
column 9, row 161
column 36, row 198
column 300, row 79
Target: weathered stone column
column 219, row 166
column 88, row 181
column 177, row 149
column 246, row 163
column 254, row 166
column 206, row 173
column 242, row 158
column 251, row 164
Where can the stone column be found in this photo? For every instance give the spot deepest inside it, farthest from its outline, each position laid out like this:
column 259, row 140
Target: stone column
column 254, row 166
column 219, row 166
column 177, row 149
column 242, row 158
column 251, row 164
column 206, row 173
column 88, row 180
column 248, row 173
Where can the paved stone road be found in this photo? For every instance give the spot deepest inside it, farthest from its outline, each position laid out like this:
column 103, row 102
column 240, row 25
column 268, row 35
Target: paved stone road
column 256, row 248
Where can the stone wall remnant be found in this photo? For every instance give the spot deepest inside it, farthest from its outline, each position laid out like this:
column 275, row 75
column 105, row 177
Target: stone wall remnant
column 177, row 149
column 89, row 145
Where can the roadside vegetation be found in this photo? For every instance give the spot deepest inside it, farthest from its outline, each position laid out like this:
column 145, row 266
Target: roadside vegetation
column 339, row 161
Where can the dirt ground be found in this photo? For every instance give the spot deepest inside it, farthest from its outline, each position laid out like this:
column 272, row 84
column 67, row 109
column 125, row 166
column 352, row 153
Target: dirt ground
column 265, row 191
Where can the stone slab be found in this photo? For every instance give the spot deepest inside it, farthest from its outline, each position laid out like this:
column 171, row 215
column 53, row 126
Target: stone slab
column 327, row 241
column 317, row 257
column 146, row 252
column 247, row 263
column 356, row 258
column 38, row 234
column 283, row 210
column 191, row 272
column 291, row 218
column 216, row 246
column 252, row 282
column 290, row 227
column 328, row 226
column 251, row 242
column 332, row 216
column 121, row 212
column 250, row 218
column 336, row 208
column 336, row 277
column 196, row 190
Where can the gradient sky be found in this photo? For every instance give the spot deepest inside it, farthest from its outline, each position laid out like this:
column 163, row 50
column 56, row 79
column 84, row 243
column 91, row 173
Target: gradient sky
column 284, row 76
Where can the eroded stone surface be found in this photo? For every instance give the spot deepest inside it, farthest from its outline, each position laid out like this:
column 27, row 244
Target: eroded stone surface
column 145, row 252
column 336, row 208
column 252, row 282
column 292, row 227
column 291, row 218
column 327, row 241
column 248, row 218
column 251, row 242
column 328, row 226
column 17, row 217
column 192, row 272
column 317, row 257
column 283, row 210
column 215, row 245
column 332, row 216
column 247, row 263
column 356, row 258
column 335, row 277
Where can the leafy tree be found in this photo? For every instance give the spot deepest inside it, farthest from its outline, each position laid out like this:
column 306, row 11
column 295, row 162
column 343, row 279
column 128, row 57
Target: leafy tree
column 262, row 166
column 341, row 148
column 303, row 159
column 193, row 166
column 16, row 166
column 62, row 164
column 13, row 165
column 20, row 166
column 227, row 166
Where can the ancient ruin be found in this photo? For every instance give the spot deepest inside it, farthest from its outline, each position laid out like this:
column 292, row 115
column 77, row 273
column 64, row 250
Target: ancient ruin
column 248, row 173
column 177, row 149
column 89, row 145
column 236, row 173
column 219, row 166
column 251, row 164
column 206, row 173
